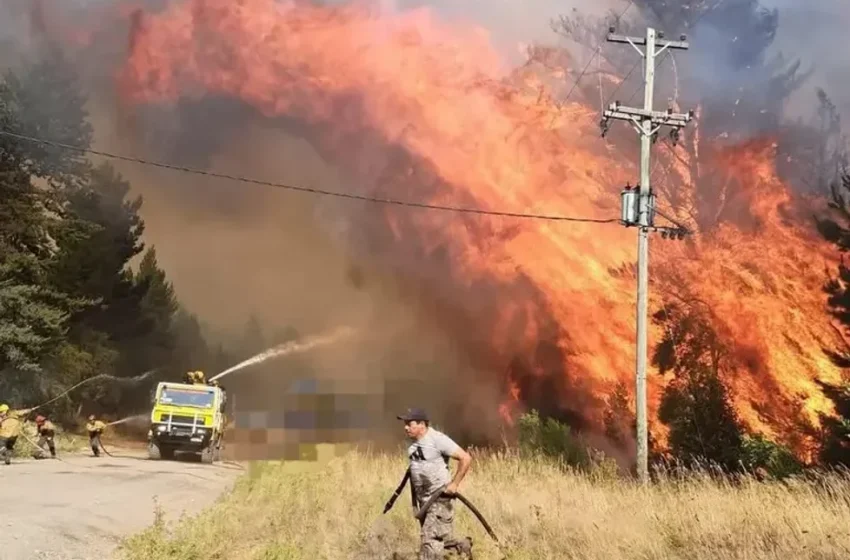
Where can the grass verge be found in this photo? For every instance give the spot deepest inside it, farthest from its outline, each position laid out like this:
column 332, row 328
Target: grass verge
column 538, row 510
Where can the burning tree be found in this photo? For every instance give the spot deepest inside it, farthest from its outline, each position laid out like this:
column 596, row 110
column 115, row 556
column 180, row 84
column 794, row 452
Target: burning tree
column 739, row 94
column 413, row 108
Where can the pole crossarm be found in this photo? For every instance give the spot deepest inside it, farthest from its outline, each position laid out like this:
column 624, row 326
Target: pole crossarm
column 658, row 118
column 660, row 43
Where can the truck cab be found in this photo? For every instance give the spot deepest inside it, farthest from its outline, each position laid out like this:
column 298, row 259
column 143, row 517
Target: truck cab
column 186, row 417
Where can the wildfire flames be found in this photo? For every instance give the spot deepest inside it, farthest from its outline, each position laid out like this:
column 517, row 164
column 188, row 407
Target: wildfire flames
column 438, row 92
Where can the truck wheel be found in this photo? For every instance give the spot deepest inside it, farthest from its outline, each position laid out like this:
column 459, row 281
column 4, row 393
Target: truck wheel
column 166, row 452
column 207, row 456
column 217, row 453
column 153, row 451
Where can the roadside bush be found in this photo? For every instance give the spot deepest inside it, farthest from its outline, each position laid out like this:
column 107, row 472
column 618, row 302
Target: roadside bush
column 757, row 452
column 550, row 438
column 554, row 440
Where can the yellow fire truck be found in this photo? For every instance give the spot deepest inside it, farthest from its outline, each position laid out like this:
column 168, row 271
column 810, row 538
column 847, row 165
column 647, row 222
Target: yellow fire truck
column 186, row 417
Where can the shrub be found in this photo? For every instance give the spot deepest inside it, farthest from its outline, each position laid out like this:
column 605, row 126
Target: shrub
column 552, row 439
column 757, row 452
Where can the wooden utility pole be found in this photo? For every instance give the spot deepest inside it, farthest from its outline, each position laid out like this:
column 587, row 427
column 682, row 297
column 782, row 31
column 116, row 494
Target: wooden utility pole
column 647, row 122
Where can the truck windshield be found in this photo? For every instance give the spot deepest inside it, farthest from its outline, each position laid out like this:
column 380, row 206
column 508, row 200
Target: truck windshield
column 183, row 397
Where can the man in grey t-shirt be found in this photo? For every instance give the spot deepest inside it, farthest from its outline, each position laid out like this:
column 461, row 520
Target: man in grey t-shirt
column 429, row 455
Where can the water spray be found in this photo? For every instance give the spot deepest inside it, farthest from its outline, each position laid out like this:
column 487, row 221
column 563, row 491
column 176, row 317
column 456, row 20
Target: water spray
column 137, row 417
column 132, row 380
column 291, row 347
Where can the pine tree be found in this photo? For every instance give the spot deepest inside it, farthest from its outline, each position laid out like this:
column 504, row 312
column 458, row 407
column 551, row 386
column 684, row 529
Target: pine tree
column 253, row 338
column 33, row 313
column 71, row 306
column 696, row 403
column 157, row 308
column 835, row 443
column 49, row 103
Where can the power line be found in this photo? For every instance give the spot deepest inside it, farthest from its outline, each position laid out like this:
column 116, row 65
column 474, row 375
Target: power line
column 311, row 190
column 581, row 75
column 621, row 84
column 671, row 220
column 595, row 54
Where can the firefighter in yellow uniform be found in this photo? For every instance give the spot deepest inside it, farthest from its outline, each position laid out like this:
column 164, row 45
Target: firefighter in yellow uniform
column 46, row 434
column 10, row 429
column 195, row 378
column 95, row 429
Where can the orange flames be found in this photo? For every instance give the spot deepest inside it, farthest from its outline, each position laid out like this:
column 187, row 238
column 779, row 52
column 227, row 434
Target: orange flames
column 437, row 92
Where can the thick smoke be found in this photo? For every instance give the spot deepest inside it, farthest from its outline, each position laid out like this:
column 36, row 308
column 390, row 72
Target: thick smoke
column 234, row 250
column 813, row 31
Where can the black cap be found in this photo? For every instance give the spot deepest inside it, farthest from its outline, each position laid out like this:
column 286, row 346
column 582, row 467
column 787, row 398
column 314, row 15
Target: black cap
column 414, row 414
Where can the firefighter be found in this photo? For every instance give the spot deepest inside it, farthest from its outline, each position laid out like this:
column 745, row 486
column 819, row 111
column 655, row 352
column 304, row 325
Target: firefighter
column 199, row 378
column 46, row 433
column 95, row 429
column 10, row 429
column 190, row 377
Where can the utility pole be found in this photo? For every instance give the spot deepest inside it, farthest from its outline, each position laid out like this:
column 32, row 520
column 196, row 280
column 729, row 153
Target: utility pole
column 639, row 204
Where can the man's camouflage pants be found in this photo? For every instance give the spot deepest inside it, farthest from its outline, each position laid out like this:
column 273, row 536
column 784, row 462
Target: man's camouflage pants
column 46, row 440
column 7, row 446
column 436, row 534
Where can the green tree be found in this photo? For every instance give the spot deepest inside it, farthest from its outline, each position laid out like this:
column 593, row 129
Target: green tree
column 835, row 441
column 193, row 350
column 696, row 405
column 48, row 102
column 553, row 439
column 253, row 338
column 70, row 305
column 153, row 342
column 759, row 453
column 97, row 248
column 33, row 313
column 835, row 444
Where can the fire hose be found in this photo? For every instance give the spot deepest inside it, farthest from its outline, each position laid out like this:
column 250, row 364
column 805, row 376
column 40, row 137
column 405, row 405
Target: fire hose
column 420, row 515
column 41, row 449
column 101, row 376
column 389, row 505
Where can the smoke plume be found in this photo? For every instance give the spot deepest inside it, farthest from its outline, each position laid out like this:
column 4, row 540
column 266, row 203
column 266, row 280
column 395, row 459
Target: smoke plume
column 234, row 250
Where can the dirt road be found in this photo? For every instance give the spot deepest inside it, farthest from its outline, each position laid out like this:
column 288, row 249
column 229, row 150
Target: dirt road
column 79, row 508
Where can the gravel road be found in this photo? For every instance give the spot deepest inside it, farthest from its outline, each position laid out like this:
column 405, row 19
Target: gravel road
column 80, row 507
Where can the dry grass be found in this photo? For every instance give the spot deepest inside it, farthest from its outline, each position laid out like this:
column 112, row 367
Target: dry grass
column 537, row 510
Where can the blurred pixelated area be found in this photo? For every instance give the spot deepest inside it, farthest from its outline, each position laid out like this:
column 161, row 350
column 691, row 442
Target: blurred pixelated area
column 314, row 420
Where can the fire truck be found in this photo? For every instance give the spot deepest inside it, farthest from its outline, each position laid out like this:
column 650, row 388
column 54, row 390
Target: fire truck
column 187, row 417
